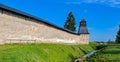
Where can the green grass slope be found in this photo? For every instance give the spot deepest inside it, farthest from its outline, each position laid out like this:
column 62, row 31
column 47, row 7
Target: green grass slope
column 42, row 52
column 110, row 54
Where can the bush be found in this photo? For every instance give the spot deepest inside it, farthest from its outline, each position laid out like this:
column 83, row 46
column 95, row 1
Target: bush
column 94, row 44
column 100, row 47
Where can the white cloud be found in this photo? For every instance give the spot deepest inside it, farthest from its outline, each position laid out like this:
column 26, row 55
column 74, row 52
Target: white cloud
column 115, row 4
column 90, row 1
column 111, row 3
column 73, row 3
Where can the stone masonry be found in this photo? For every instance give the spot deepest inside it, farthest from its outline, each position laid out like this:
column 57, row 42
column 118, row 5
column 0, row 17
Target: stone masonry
column 15, row 28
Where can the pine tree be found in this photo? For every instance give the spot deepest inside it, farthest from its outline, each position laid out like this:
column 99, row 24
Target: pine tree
column 118, row 36
column 70, row 22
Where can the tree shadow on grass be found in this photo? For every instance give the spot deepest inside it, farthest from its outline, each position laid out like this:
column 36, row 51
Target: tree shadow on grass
column 83, row 50
column 72, row 57
column 111, row 52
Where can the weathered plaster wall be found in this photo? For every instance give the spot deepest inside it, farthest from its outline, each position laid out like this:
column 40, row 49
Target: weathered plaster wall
column 15, row 28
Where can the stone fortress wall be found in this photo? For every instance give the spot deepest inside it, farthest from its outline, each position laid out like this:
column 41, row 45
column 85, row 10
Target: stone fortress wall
column 15, row 28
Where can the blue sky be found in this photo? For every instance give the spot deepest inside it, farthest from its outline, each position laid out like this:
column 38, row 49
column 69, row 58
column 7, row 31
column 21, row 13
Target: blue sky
column 102, row 16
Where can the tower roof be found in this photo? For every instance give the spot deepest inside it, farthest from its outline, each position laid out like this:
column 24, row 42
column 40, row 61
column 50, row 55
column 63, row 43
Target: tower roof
column 83, row 27
column 83, row 30
column 83, row 19
column 119, row 27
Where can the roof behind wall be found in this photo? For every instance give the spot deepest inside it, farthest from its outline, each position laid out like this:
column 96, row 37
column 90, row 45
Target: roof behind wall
column 7, row 8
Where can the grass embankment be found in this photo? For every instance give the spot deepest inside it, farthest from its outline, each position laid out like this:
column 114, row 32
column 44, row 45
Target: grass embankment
column 110, row 54
column 42, row 52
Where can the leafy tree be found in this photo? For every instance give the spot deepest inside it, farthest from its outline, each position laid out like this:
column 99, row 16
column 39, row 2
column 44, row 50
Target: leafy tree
column 110, row 42
column 70, row 22
column 118, row 36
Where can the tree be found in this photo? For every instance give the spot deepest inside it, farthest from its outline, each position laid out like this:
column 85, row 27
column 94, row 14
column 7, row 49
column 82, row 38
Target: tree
column 70, row 22
column 110, row 42
column 118, row 36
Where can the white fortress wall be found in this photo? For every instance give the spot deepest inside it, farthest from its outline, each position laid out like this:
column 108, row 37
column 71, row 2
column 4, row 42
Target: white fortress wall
column 15, row 28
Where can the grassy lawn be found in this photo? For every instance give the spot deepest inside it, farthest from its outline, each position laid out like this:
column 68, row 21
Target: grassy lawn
column 110, row 54
column 42, row 52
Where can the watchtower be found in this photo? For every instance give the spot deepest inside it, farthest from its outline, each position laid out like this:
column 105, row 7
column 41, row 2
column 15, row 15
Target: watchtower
column 83, row 32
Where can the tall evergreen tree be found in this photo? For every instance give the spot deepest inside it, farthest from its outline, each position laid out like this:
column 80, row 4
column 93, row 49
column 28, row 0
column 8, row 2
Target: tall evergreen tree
column 118, row 36
column 70, row 22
